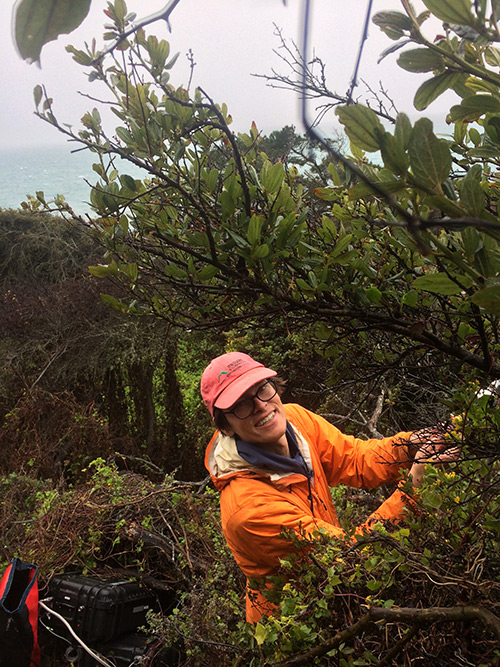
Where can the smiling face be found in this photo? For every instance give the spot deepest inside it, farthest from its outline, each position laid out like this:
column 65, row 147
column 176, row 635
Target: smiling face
column 266, row 427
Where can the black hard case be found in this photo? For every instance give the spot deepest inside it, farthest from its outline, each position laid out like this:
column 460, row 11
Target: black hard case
column 133, row 650
column 99, row 611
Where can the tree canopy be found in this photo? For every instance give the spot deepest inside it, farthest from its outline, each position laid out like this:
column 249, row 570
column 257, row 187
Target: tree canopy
column 411, row 251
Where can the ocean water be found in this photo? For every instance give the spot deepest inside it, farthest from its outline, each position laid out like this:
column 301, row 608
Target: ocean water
column 52, row 169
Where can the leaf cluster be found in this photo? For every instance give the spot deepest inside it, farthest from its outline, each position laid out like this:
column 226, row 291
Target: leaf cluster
column 217, row 233
column 330, row 600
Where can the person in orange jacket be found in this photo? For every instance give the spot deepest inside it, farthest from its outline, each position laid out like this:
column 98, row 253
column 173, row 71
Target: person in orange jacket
column 273, row 464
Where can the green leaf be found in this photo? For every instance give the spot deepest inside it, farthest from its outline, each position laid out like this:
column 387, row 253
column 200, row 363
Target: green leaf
column 326, row 194
column 430, row 157
column 452, row 11
column 37, row 95
column 124, row 135
column 37, row 22
column 432, row 499
column 332, row 170
column 226, row 203
column 115, row 303
column 373, row 585
column 486, row 262
column 472, row 241
column 80, row 57
column 393, row 23
column 433, row 88
column 362, row 126
column 393, row 155
column 493, row 525
column 328, row 227
column 373, row 295
column 402, row 131
column 437, row 283
column 120, row 9
column 420, row 60
column 260, row 633
column 212, row 178
column 174, row 271
column 132, row 271
column 444, row 205
column 207, row 273
column 260, row 251
column 410, row 298
column 473, row 107
column 238, row 240
column 254, row 229
column 301, row 284
column 363, row 189
column 341, row 245
column 472, row 197
column 491, row 124
column 123, row 222
column 272, row 177
column 488, row 299
column 484, row 152
column 128, row 182
column 102, row 270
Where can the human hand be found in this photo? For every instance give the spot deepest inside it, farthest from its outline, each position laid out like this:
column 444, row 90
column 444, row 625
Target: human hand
column 432, row 446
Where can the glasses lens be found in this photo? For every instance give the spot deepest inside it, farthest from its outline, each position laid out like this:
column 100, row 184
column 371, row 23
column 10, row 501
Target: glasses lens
column 243, row 409
column 267, row 391
column 246, row 407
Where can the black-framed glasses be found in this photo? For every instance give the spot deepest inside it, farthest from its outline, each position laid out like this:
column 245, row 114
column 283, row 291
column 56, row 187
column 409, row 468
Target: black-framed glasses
column 246, row 407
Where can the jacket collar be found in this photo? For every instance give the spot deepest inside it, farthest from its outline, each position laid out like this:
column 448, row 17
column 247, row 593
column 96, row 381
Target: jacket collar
column 224, row 461
column 262, row 458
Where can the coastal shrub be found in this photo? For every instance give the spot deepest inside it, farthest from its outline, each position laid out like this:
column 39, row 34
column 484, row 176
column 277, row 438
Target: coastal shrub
column 371, row 601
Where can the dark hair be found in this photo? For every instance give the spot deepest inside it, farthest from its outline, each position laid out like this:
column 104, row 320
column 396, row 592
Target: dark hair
column 220, row 419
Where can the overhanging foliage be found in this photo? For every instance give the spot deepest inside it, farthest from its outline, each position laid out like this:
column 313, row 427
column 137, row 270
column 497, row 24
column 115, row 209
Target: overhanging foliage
column 206, row 245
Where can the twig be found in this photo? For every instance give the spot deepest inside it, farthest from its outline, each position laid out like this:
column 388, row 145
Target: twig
column 372, row 423
column 56, row 354
column 160, row 14
column 388, row 659
column 414, row 617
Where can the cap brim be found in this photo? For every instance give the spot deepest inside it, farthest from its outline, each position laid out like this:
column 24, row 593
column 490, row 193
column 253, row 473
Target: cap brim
column 238, row 387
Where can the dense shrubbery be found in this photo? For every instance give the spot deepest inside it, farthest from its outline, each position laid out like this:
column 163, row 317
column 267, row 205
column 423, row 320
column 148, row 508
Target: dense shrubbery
column 381, row 325
column 116, row 524
column 354, row 602
column 120, row 517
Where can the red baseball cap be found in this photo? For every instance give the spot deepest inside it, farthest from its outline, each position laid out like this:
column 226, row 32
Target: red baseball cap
column 227, row 377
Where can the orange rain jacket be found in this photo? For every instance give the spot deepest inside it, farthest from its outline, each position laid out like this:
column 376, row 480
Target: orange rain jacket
column 256, row 504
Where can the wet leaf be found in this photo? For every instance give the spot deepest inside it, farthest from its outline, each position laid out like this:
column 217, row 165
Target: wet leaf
column 393, row 23
column 451, row 11
column 361, row 125
column 488, row 299
column 420, row 60
column 433, row 88
column 437, row 283
column 474, row 106
column 37, row 22
column 430, row 157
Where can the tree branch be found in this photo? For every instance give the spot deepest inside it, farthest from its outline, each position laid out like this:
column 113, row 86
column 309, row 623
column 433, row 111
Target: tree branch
column 408, row 615
column 160, row 14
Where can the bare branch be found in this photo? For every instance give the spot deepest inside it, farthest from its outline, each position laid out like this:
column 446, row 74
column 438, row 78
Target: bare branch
column 414, row 617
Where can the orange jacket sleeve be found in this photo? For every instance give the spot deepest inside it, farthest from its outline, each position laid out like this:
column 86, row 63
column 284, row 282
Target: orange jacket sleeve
column 352, row 461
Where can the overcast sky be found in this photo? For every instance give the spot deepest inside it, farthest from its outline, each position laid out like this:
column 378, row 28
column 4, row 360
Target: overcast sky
column 230, row 39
